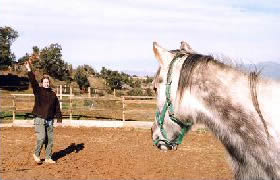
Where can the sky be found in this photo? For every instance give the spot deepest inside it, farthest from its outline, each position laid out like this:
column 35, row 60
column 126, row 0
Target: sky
column 118, row 34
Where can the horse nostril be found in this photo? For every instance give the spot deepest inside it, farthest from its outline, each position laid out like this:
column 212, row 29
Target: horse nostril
column 162, row 147
column 174, row 148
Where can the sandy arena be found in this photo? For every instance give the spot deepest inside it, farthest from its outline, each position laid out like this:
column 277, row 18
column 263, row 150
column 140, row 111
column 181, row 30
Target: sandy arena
column 111, row 153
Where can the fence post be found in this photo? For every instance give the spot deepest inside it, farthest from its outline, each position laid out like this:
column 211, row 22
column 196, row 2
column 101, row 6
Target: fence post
column 93, row 92
column 114, row 92
column 60, row 97
column 70, row 102
column 88, row 91
column 123, row 102
column 14, row 108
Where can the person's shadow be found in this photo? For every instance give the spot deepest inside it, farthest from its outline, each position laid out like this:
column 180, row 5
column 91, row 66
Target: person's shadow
column 72, row 148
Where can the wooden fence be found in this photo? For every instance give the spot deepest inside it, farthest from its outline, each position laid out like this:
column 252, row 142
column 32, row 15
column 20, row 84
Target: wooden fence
column 66, row 89
column 67, row 100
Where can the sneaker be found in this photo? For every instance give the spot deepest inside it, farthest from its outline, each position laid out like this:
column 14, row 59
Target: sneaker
column 37, row 159
column 50, row 161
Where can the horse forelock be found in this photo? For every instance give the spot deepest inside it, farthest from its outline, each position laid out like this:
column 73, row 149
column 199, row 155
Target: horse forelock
column 175, row 51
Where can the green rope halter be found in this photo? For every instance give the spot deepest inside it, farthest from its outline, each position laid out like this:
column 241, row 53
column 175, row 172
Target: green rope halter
column 168, row 106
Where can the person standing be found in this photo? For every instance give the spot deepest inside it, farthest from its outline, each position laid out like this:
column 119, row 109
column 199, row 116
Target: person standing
column 45, row 109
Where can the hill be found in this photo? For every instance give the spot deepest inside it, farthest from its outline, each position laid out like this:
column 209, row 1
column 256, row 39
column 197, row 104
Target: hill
column 268, row 69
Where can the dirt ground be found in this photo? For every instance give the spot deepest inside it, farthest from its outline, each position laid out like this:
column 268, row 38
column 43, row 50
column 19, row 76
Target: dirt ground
column 111, row 153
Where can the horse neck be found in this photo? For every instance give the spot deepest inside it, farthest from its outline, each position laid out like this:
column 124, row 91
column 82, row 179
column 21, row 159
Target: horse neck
column 220, row 97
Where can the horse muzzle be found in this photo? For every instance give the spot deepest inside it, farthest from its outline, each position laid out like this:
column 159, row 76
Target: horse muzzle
column 165, row 146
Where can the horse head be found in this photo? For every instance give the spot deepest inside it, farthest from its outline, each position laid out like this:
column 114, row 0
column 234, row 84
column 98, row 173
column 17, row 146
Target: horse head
column 167, row 130
column 239, row 107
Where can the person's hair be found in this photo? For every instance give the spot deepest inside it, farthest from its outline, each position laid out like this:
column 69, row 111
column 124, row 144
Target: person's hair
column 45, row 77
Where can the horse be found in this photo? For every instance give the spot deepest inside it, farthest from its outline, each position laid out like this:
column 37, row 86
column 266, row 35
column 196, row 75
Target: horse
column 240, row 107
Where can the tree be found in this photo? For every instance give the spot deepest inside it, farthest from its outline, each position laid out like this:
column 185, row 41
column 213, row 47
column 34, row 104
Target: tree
column 24, row 58
column 137, row 83
column 89, row 70
column 51, row 62
column 7, row 36
column 114, row 79
column 148, row 80
column 82, row 72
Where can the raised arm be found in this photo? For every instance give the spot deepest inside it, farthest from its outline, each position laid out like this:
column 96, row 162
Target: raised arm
column 58, row 114
column 32, row 79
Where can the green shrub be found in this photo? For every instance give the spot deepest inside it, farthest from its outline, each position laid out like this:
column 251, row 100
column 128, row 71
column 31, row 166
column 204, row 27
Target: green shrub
column 120, row 93
column 3, row 114
column 149, row 92
column 135, row 92
column 88, row 102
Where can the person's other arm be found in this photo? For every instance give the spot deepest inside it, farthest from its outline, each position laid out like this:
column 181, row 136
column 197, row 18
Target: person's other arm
column 58, row 114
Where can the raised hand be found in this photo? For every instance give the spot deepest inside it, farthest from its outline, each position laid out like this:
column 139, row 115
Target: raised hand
column 27, row 66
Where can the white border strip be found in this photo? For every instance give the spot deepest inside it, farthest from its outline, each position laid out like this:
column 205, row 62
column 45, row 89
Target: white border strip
column 93, row 123
column 85, row 123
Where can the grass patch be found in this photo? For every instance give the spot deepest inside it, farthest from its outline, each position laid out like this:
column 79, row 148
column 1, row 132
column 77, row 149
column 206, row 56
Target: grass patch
column 19, row 116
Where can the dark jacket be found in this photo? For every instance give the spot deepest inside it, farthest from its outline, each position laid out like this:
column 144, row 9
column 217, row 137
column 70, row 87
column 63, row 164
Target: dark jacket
column 46, row 102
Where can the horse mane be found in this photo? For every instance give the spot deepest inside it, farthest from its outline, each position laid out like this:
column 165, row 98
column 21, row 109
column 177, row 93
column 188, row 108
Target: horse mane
column 253, row 79
column 198, row 60
column 201, row 61
column 190, row 64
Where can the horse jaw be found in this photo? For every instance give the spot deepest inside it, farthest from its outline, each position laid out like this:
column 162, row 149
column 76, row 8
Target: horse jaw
column 163, row 56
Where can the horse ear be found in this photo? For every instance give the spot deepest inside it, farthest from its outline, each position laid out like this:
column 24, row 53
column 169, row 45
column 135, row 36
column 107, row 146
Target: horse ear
column 162, row 55
column 186, row 47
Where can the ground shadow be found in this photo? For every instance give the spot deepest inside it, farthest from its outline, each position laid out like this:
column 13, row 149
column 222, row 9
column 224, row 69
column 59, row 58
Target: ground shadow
column 70, row 149
column 28, row 115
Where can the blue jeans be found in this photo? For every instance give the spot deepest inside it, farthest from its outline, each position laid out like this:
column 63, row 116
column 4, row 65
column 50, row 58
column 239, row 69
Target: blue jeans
column 44, row 133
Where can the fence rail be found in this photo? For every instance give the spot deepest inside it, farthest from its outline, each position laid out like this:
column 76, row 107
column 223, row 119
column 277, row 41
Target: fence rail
column 66, row 104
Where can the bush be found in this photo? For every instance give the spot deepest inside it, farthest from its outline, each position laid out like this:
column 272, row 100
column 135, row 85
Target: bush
column 135, row 92
column 120, row 93
column 81, row 77
column 88, row 102
column 149, row 92
column 109, row 91
column 4, row 114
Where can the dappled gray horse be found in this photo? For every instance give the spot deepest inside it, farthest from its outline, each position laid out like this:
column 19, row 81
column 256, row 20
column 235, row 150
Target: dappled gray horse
column 241, row 108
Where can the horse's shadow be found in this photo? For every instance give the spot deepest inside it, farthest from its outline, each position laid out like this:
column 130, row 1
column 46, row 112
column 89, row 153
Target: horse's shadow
column 72, row 148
